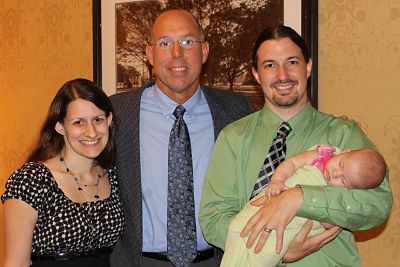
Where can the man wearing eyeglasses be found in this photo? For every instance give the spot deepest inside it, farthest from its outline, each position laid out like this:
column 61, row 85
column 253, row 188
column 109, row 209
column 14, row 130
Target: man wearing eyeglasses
column 145, row 118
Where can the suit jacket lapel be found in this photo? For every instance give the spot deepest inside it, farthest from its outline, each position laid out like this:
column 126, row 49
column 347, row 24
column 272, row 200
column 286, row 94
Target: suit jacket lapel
column 219, row 115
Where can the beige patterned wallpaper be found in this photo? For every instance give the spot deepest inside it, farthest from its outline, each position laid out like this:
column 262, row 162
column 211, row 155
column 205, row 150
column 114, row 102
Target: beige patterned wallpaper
column 46, row 42
column 359, row 57
column 43, row 43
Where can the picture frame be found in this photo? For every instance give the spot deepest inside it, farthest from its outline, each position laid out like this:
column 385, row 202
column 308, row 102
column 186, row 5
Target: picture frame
column 301, row 15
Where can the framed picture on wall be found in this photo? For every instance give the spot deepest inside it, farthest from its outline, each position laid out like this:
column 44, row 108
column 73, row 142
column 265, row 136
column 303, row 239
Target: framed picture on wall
column 121, row 31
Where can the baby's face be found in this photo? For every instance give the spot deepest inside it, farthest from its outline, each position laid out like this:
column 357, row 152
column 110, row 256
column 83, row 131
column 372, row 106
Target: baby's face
column 342, row 170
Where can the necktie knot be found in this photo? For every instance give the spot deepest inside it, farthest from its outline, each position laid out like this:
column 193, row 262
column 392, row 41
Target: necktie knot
column 284, row 129
column 179, row 111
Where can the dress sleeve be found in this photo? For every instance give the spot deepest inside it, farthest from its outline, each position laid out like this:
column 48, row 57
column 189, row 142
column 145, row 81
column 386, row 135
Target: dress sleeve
column 27, row 184
column 112, row 177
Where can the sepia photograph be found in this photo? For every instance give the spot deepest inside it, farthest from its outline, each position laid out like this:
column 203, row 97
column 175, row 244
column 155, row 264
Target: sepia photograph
column 230, row 27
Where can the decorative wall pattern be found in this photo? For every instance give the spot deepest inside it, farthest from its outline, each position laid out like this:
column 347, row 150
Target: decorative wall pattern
column 43, row 44
column 359, row 57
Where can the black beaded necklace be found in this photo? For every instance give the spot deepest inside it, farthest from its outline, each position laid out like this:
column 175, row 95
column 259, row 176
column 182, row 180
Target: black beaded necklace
column 79, row 185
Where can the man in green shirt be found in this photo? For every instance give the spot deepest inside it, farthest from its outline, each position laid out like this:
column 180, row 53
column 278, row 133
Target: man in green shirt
column 281, row 65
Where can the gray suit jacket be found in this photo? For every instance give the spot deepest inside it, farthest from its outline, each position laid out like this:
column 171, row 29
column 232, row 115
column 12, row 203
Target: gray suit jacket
column 225, row 107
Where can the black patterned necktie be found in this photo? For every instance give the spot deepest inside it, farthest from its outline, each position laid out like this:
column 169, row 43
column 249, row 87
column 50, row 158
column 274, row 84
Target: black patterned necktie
column 276, row 155
column 181, row 224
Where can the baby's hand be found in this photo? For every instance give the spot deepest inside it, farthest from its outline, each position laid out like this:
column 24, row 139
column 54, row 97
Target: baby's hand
column 274, row 188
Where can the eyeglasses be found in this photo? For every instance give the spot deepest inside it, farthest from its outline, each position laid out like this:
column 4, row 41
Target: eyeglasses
column 184, row 42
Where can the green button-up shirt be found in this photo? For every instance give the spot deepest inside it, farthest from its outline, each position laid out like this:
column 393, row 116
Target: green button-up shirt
column 236, row 160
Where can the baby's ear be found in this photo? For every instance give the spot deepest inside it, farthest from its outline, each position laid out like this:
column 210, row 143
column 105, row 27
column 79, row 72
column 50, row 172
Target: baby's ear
column 347, row 150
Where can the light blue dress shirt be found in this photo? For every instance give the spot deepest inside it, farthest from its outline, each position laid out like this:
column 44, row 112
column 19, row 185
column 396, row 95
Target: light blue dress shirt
column 156, row 120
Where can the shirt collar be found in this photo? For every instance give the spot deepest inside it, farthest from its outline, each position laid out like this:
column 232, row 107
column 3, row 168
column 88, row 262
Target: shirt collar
column 301, row 120
column 168, row 105
column 298, row 122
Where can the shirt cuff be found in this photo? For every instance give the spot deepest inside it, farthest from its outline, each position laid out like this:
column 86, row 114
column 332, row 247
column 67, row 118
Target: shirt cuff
column 314, row 201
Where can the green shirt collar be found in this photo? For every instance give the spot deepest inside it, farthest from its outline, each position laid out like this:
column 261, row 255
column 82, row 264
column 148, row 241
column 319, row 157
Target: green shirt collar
column 298, row 122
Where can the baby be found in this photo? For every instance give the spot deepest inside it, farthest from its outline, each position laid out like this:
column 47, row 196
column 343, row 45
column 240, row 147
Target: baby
column 363, row 169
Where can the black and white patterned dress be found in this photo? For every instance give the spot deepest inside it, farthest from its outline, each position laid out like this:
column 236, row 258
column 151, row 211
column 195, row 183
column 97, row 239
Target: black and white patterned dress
column 63, row 225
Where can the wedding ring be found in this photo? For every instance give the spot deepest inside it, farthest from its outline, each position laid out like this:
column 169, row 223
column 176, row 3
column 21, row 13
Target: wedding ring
column 268, row 230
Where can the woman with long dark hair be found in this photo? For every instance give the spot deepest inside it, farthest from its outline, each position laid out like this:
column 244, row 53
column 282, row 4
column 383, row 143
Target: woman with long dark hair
column 62, row 208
